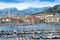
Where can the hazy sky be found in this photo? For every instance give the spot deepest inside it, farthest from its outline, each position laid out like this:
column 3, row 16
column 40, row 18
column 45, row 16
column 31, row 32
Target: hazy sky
column 23, row 4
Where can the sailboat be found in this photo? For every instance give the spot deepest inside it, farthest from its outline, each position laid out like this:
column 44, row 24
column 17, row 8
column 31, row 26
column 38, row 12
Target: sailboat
column 34, row 36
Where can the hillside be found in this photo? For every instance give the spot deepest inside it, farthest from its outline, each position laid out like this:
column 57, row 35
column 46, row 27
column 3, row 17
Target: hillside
column 55, row 9
column 16, row 12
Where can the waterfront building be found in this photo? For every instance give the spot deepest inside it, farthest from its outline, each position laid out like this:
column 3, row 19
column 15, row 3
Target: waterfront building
column 52, row 18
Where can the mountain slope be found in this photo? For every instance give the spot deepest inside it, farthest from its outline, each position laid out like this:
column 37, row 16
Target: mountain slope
column 32, row 10
column 16, row 12
column 55, row 9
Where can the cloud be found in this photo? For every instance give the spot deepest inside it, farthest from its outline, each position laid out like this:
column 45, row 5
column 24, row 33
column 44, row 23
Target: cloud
column 25, row 5
column 10, row 5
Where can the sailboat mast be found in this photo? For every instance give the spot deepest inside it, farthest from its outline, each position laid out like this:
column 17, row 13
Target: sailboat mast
column 9, row 14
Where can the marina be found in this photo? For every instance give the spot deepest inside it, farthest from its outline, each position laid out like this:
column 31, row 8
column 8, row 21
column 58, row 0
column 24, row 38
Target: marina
column 29, row 19
column 42, row 35
column 32, row 32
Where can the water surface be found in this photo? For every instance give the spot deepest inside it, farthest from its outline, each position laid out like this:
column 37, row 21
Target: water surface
column 31, row 27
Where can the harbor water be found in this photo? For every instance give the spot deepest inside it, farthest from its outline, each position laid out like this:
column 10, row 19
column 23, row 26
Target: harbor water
column 40, row 26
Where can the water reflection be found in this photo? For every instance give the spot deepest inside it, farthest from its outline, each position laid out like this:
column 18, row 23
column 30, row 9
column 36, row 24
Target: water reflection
column 31, row 27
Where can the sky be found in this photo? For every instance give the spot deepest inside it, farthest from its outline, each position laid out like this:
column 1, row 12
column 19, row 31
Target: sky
column 23, row 4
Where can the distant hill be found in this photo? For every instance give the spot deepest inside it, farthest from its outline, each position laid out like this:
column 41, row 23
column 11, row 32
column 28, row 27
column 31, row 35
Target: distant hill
column 14, row 11
column 32, row 10
column 55, row 9
column 6, row 11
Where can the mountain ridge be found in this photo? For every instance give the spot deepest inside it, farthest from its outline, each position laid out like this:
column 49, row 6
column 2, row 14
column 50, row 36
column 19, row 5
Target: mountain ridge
column 15, row 11
column 54, row 9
